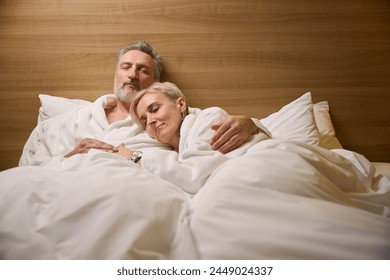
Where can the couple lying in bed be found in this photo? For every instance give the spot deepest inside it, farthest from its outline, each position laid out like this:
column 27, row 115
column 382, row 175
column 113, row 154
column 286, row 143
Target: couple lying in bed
column 63, row 141
column 162, row 110
column 91, row 134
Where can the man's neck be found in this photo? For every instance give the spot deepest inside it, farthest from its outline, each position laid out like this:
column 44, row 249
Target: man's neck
column 117, row 113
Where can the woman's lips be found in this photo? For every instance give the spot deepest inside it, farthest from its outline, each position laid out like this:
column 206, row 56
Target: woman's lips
column 158, row 128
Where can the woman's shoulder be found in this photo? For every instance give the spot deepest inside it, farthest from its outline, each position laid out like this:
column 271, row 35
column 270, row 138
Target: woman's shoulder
column 202, row 121
column 206, row 118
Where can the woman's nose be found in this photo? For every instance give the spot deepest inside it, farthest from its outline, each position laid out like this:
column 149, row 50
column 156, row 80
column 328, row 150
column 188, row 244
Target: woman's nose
column 151, row 122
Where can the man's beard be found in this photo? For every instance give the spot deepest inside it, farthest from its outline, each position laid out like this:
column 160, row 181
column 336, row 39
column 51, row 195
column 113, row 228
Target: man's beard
column 125, row 96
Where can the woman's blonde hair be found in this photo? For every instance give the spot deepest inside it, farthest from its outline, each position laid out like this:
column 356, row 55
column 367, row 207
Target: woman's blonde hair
column 170, row 90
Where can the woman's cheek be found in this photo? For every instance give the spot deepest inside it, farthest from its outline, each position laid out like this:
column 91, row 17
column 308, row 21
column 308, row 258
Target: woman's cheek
column 150, row 131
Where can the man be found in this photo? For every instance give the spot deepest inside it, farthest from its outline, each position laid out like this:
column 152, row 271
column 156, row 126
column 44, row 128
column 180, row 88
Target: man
column 105, row 124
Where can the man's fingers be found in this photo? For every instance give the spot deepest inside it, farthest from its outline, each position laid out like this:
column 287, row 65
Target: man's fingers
column 221, row 134
column 229, row 145
column 216, row 125
column 225, row 140
column 224, row 134
column 106, row 147
column 220, row 128
column 88, row 144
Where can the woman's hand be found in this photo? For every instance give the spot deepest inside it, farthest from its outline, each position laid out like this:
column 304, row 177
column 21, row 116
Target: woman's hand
column 124, row 152
column 231, row 132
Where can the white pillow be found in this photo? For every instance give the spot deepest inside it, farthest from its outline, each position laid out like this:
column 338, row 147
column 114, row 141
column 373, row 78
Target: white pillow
column 55, row 105
column 295, row 121
column 325, row 127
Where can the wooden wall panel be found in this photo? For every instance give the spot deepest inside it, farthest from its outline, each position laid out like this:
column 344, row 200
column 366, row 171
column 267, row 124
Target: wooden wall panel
column 249, row 57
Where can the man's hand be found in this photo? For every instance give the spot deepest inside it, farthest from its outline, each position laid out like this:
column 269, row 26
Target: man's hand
column 87, row 144
column 231, row 132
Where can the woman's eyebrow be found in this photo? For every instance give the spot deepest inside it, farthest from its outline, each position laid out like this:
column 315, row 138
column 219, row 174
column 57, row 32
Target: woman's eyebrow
column 149, row 108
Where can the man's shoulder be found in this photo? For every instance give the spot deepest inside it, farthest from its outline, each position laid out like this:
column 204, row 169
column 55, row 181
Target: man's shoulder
column 85, row 109
column 103, row 98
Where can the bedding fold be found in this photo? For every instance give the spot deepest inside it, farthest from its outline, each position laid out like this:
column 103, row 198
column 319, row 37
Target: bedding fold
column 279, row 200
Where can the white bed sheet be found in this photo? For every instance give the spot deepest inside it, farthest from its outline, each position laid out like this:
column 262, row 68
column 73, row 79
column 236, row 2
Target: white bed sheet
column 300, row 204
column 382, row 168
column 108, row 210
column 281, row 200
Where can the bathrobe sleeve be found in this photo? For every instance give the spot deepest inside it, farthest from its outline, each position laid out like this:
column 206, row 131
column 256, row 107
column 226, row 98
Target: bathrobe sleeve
column 57, row 136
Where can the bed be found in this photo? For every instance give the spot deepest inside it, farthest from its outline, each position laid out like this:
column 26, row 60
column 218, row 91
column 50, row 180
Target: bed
column 315, row 73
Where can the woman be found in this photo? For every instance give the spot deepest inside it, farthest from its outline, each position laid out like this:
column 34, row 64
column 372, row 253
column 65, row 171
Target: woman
column 163, row 111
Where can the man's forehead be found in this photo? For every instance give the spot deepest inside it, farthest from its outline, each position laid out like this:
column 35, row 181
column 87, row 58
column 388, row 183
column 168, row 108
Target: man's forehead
column 138, row 57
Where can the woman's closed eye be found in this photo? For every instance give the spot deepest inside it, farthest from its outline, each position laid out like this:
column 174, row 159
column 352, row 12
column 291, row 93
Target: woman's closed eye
column 154, row 109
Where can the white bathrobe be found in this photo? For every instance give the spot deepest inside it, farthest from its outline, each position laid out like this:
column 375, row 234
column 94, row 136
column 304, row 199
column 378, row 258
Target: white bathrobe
column 56, row 136
column 195, row 161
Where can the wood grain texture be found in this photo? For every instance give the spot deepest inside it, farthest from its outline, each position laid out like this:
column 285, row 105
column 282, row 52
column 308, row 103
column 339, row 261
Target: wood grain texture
column 249, row 57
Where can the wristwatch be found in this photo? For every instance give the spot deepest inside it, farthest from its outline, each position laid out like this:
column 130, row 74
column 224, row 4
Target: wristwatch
column 136, row 156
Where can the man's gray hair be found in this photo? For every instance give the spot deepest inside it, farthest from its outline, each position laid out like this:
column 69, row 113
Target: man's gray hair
column 148, row 49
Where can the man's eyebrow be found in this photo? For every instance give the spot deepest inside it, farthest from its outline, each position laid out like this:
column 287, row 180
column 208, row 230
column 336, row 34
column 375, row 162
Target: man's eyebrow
column 139, row 65
column 143, row 65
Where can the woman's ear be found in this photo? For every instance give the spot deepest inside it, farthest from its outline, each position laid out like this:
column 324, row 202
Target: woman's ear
column 182, row 104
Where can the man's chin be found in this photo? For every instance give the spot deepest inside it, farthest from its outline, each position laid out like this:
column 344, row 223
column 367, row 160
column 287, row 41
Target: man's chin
column 126, row 96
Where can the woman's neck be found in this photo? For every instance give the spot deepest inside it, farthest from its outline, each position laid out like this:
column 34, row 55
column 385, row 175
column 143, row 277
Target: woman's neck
column 175, row 142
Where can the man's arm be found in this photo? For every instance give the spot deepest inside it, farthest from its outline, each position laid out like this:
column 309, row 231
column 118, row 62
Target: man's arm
column 86, row 144
column 55, row 139
column 231, row 132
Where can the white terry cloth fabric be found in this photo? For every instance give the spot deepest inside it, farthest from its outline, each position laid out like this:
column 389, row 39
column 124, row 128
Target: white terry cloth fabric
column 111, row 209
column 56, row 136
column 195, row 161
column 279, row 200
column 290, row 200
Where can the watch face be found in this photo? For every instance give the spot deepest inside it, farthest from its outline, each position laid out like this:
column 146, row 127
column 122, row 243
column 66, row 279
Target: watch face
column 136, row 156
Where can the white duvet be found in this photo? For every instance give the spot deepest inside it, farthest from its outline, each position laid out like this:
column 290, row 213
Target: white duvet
column 281, row 200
